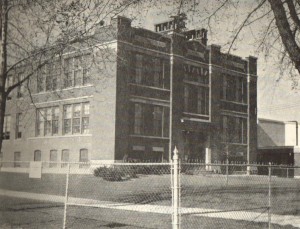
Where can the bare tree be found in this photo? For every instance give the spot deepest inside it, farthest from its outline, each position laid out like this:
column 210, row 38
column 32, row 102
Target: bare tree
column 34, row 34
column 277, row 23
column 272, row 24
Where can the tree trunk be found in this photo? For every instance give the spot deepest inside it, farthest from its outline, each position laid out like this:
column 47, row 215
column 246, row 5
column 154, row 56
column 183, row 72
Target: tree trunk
column 286, row 34
column 2, row 114
column 3, row 65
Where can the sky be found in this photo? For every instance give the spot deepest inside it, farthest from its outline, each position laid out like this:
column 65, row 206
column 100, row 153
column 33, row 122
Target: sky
column 276, row 98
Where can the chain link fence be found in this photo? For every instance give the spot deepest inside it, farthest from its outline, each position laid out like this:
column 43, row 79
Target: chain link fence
column 148, row 195
column 31, row 202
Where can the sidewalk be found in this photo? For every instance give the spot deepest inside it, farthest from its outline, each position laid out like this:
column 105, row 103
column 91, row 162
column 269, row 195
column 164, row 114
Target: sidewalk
column 147, row 208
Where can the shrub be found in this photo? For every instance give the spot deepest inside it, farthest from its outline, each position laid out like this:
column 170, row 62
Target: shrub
column 116, row 173
column 126, row 172
column 109, row 174
column 153, row 169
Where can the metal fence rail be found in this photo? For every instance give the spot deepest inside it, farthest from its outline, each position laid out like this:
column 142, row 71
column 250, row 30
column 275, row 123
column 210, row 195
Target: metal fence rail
column 148, row 195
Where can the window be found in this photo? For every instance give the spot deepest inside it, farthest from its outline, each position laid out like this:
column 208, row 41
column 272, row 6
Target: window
column 19, row 125
column 244, row 91
column 68, row 64
column 196, row 99
column 158, row 73
column 202, row 101
column 55, row 116
column 244, row 131
column 83, row 157
column 224, row 87
column 231, row 88
column 17, row 159
column 139, row 69
column 67, row 118
column 53, row 158
column 196, row 89
column 47, row 121
column 8, row 83
column 41, row 76
column 137, row 154
column 196, row 74
column 234, row 129
column 37, row 155
column 64, row 157
column 138, row 125
column 21, row 87
column 85, row 117
column 1, row 158
column 86, row 65
column 52, row 74
column 48, row 75
column 157, row 121
column 76, row 118
column 86, row 77
column 150, row 71
column 225, row 129
column 76, row 71
column 234, row 88
column 151, row 120
column 48, row 118
column 6, row 127
column 40, row 122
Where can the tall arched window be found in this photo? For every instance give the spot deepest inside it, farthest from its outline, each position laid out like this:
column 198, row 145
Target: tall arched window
column 64, row 157
column 53, row 158
column 17, row 159
column 37, row 155
column 83, row 157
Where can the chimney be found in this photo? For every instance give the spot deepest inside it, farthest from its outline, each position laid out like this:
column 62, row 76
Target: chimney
column 203, row 36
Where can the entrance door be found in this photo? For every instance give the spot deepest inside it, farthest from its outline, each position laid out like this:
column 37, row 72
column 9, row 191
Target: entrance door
column 17, row 159
column 195, row 146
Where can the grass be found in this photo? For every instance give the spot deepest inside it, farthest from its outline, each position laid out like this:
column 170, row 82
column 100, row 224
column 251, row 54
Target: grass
column 20, row 213
column 241, row 192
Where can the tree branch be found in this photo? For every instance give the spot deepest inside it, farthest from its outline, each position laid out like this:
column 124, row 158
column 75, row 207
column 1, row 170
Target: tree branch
column 285, row 32
column 293, row 12
column 244, row 23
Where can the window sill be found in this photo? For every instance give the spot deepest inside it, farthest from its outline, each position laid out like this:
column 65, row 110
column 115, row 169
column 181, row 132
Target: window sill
column 195, row 83
column 61, row 136
column 150, row 87
column 196, row 114
column 146, row 136
column 237, row 144
column 62, row 89
column 234, row 102
column 75, row 87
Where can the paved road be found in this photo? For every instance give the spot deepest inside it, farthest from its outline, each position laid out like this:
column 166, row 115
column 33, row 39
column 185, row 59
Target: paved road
column 147, row 208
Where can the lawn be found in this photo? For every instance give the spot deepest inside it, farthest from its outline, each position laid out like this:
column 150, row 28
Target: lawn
column 211, row 191
column 27, row 214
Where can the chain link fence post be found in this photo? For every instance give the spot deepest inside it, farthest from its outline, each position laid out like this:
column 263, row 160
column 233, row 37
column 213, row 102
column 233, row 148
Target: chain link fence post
column 66, row 196
column 176, row 190
column 269, row 195
column 227, row 171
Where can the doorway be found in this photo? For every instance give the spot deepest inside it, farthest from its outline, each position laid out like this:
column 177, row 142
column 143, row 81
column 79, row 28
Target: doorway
column 194, row 146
